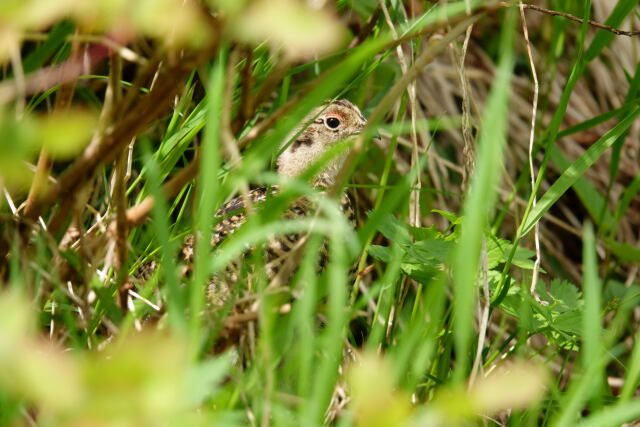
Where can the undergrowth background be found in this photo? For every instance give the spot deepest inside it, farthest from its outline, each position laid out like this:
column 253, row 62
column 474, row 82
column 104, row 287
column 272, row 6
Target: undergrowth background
column 496, row 193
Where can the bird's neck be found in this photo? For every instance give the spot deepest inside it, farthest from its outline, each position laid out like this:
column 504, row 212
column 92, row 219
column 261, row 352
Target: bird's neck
column 293, row 162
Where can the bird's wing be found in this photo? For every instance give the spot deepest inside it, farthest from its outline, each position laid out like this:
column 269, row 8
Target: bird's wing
column 233, row 213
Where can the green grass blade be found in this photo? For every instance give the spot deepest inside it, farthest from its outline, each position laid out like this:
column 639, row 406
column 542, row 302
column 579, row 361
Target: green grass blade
column 175, row 297
column 599, row 119
column 208, row 197
column 591, row 199
column 551, row 134
column 592, row 317
column 57, row 38
column 614, row 415
column 588, row 376
column 625, row 201
column 331, row 341
column 304, row 315
column 388, row 292
column 633, row 372
column 481, row 198
column 571, row 175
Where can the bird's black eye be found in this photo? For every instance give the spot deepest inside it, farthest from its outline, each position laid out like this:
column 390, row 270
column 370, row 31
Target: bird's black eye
column 332, row 122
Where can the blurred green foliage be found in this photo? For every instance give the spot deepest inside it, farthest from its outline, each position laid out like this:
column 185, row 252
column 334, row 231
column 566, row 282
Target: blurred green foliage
column 437, row 326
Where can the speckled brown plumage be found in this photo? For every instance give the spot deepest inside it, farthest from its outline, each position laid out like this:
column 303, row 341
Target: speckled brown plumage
column 324, row 127
column 277, row 247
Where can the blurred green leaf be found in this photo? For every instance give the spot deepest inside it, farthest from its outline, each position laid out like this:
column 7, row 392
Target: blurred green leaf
column 498, row 252
column 381, row 253
column 422, row 273
column 229, row 7
column 624, row 251
column 564, row 296
column 394, row 230
column 424, row 233
column 303, row 33
column 56, row 39
column 64, row 134
column 18, row 145
column 375, row 399
column 451, row 217
column 31, row 367
column 34, row 14
column 204, row 378
column 176, row 22
column 432, row 250
column 148, row 368
column 515, row 384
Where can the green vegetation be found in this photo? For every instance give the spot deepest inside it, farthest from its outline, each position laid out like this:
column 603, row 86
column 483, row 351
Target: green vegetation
column 125, row 126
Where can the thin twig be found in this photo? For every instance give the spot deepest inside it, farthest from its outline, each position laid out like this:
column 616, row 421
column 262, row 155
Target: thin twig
column 536, row 88
column 415, row 216
column 46, row 78
column 484, row 316
column 144, row 77
column 105, row 120
column 246, row 98
column 468, row 150
column 235, row 320
column 40, row 178
column 64, row 96
column 414, row 199
column 266, row 124
column 228, row 141
column 119, row 48
column 573, row 18
column 280, row 70
column 120, row 173
column 292, row 260
column 20, row 81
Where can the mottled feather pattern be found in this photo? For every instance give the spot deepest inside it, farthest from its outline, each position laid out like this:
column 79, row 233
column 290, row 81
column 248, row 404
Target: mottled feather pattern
column 326, row 125
column 233, row 215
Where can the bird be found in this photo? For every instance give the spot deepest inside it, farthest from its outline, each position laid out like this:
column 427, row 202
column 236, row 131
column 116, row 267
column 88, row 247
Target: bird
column 325, row 126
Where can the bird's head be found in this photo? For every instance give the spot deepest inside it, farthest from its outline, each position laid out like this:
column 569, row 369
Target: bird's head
column 325, row 126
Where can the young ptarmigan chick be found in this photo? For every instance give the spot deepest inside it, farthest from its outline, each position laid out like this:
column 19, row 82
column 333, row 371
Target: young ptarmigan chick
column 328, row 124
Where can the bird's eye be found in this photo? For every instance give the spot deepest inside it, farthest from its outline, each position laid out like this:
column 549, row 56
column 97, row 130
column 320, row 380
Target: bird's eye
column 332, row 123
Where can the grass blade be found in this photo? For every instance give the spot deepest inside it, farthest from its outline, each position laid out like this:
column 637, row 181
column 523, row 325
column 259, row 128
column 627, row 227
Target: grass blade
column 208, row 197
column 481, row 198
column 571, row 175
column 586, row 382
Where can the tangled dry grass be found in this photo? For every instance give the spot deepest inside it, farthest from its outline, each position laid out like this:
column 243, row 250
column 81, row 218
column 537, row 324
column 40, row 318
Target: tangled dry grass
column 80, row 226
